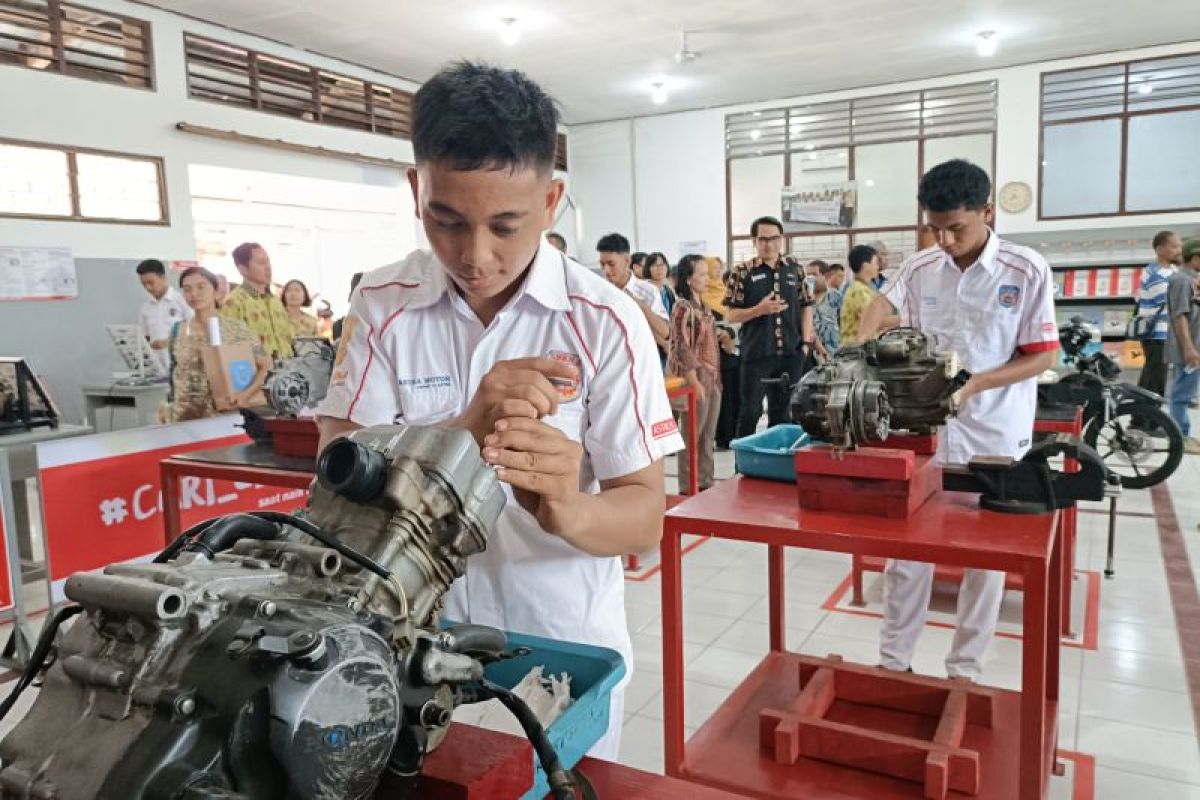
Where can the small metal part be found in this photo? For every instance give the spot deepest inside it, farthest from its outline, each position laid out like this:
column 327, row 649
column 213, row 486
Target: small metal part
column 185, row 706
column 267, row 608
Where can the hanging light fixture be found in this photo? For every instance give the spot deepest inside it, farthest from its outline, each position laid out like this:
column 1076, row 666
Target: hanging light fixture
column 510, row 31
column 986, row 43
column 658, row 93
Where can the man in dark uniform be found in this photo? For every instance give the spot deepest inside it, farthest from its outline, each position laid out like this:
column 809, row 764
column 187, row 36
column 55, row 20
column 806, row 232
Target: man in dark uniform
column 767, row 295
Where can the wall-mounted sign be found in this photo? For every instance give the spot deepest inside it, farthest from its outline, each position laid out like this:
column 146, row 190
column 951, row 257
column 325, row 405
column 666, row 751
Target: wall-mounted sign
column 828, row 205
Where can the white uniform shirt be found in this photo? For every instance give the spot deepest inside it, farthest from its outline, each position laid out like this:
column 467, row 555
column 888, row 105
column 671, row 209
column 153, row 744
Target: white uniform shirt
column 159, row 315
column 1000, row 306
column 648, row 293
column 414, row 352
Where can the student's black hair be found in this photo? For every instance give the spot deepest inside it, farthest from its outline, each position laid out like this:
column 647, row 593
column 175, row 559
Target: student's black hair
column 765, row 221
column 473, row 116
column 1160, row 238
column 652, row 258
column 954, row 185
column 613, row 243
column 860, row 254
column 151, row 266
column 684, row 271
column 833, row 268
column 638, row 259
column 822, row 265
column 202, row 272
column 555, row 236
column 307, row 297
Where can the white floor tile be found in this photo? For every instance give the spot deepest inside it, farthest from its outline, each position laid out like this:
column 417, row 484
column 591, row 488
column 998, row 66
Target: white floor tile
column 1137, row 705
column 1145, row 751
column 718, row 666
column 642, row 744
column 700, row 700
column 1112, row 784
column 730, row 605
column 1149, row 639
column 641, row 689
column 703, row 629
column 1125, row 666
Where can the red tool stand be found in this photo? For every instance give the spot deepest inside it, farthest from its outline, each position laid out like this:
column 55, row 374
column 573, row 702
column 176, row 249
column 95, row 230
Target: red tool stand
column 478, row 764
column 1050, row 419
column 1015, row 753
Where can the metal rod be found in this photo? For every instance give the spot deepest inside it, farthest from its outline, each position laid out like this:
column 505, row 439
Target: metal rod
column 1112, row 536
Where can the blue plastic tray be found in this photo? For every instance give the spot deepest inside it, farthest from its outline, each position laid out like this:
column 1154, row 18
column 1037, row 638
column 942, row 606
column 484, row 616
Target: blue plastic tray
column 769, row 454
column 594, row 672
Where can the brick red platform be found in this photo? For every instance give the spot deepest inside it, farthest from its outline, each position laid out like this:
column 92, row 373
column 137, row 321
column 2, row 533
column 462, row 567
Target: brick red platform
column 879, row 481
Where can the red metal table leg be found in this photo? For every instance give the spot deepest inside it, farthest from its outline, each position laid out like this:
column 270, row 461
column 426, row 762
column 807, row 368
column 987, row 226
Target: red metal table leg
column 1068, row 519
column 172, row 520
column 1034, row 685
column 672, row 630
column 777, row 591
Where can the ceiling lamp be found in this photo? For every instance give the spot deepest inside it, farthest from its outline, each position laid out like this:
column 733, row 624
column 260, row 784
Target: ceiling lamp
column 685, row 55
column 510, row 31
column 986, row 43
column 658, row 93
column 755, row 134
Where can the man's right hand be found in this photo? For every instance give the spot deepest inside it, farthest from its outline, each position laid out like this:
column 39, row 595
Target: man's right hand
column 771, row 304
column 1192, row 359
column 518, row 388
column 159, row 344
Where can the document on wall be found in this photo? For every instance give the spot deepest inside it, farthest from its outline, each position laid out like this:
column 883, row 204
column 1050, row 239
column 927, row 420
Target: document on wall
column 37, row 273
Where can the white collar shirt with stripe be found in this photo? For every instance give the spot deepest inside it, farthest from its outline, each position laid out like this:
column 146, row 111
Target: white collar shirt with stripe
column 415, row 353
column 159, row 315
column 648, row 293
column 997, row 308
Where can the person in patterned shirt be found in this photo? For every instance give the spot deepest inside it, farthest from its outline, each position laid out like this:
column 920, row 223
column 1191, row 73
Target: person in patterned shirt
column 254, row 304
column 191, row 395
column 295, row 299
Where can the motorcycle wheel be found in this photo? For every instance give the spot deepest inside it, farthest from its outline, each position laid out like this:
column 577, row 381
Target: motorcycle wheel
column 1138, row 456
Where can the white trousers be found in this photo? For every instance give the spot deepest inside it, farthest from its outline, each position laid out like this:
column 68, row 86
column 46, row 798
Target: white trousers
column 609, row 746
column 907, row 588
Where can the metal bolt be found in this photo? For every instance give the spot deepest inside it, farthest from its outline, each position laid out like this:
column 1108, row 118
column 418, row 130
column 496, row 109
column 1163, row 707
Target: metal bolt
column 434, row 715
column 353, row 604
column 185, row 706
column 303, row 639
column 267, row 608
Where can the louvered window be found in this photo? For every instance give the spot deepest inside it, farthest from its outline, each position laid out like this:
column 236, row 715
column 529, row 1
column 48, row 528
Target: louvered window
column 1120, row 139
column 74, row 40
column 237, row 76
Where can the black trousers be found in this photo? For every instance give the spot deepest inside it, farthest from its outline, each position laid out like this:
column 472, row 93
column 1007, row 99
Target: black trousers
column 1154, row 371
column 753, row 390
column 731, row 400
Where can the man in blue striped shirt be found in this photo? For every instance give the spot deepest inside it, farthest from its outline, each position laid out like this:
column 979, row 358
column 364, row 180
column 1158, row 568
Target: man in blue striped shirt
column 1152, row 302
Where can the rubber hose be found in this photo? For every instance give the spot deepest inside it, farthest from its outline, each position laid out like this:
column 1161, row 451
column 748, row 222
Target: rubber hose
column 562, row 786
column 37, row 658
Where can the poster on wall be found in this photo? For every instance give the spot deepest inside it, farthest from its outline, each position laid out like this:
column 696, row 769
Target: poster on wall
column 695, row 248
column 37, row 273
column 824, row 205
column 102, row 498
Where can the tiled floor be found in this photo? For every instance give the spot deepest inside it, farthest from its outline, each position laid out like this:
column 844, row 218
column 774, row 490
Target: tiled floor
column 1125, row 703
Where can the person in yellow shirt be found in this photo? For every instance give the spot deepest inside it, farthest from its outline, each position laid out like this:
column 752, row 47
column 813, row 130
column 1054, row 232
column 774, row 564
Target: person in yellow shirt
column 254, row 303
column 864, row 263
column 296, row 299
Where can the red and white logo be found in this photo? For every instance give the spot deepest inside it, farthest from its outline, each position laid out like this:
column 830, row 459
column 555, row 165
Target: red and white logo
column 568, row 388
column 662, row 429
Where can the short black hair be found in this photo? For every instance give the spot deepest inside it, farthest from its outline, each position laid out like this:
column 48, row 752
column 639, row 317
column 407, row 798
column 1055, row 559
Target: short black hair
column 653, row 258
column 684, row 271
column 307, row 297
column 860, row 254
column 152, row 266
column 765, row 221
column 833, row 268
column 202, row 272
column 638, row 259
column 821, row 264
column 613, row 243
column 473, row 116
column 1160, row 239
column 953, row 185
column 555, row 236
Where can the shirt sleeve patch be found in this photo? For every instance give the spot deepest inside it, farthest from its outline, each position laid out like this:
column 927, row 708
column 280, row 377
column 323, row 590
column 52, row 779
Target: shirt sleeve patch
column 663, row 429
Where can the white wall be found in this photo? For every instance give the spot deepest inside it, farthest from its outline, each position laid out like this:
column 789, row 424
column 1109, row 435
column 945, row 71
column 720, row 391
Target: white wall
column 50, row 108
column 678, row 162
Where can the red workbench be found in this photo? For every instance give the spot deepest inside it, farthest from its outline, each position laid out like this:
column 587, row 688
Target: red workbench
column 1050, row 419
column 247, row 463
column 1017, row 755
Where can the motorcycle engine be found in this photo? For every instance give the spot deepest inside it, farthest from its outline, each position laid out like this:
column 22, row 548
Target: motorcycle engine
column 895, row 382
column 269, row 656
column 300, row 381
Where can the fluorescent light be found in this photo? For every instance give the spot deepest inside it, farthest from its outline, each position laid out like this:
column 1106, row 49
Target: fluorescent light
column 755, row 134
column 986, row 43
column 658, row 95
column 809, row 146
column 510, row 31
column 758, row 113
column 870, row 183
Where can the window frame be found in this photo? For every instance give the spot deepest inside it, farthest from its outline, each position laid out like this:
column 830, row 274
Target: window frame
column 1125, row 115
column 58, row 48
column 71, row 153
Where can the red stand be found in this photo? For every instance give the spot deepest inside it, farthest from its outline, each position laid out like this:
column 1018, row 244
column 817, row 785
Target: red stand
column 294, row 437
column 879, row 481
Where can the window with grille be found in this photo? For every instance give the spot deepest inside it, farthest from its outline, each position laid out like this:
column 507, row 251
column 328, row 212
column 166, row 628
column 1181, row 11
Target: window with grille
column 225, row 73
column 882, row 144
column 74, row 40
column 51, row 182
column 1120, row 139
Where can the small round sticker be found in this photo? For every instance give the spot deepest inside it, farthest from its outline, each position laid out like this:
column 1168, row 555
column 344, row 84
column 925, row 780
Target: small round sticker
column 567, row 388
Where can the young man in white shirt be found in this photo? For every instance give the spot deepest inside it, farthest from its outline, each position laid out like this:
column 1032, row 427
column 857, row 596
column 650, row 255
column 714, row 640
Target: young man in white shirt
column 618, row 268
column 161, row 311
column 552, row 369
column 990, row 302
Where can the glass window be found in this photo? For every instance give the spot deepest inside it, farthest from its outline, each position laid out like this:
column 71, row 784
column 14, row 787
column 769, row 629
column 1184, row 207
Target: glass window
column 34, row 180
column 976, row 148
column 1162, row 170
column 755, row 190
column 886, row 177
column 1081, row 168
column 117, row 188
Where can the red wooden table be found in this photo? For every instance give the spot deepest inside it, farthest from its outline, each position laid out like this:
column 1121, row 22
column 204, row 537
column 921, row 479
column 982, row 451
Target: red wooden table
column 1050, row 419
column 248, row 463
column 949, row 529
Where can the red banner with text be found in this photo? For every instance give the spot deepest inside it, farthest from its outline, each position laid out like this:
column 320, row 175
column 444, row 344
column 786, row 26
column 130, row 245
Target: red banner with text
column 99, row 511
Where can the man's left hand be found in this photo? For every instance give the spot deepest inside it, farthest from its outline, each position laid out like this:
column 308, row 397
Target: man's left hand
column 541, row 465
column 972, row 387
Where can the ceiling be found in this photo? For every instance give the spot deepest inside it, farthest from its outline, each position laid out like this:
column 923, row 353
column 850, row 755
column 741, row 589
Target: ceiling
column 600, row 58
